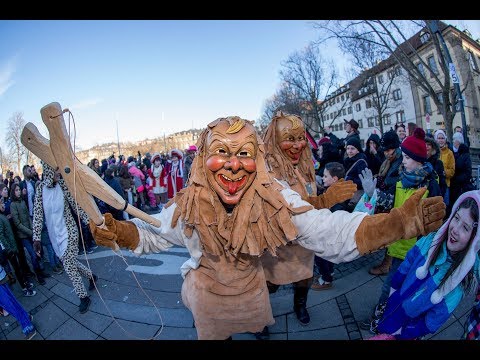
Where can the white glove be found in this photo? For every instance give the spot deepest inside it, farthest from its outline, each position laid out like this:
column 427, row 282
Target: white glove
column 368, row 182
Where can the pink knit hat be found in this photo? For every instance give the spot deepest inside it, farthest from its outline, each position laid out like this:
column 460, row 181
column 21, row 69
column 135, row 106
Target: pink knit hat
column 470, row 260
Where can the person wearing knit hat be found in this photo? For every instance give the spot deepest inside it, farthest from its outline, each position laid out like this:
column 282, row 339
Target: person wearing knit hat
column 414, row 146
column 387, row 178
column 389, row 141
column 173, row 172
column 354, row 163
column 439, row 132
column 353, row 141
column 457, row 138
column 461, row 180
column 436, row 274
column 416, row 172
column 448, row 160
column 324, row 140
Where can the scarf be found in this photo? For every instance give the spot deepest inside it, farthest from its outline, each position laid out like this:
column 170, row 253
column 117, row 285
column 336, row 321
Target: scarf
column 157, row 171
column 387, row 163
column 414, row 179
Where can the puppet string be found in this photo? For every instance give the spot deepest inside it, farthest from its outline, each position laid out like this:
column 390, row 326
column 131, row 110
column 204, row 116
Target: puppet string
column 119, row 253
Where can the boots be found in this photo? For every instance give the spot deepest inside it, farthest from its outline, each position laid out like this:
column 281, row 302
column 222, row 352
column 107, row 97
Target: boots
column 300, row 304
column 91, row 282
column 40, row 277
column 263, row 335
column 84, row 304
column 383, row 268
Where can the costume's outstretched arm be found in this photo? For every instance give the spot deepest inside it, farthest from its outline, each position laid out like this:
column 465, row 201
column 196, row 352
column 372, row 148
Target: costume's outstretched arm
column 416, row 217
column 118, row 233
column 336, row 193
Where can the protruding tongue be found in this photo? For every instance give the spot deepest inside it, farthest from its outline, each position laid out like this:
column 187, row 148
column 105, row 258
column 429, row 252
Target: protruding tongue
column 233, row 187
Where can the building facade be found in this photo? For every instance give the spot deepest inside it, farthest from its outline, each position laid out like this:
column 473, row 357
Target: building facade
column 387, row 89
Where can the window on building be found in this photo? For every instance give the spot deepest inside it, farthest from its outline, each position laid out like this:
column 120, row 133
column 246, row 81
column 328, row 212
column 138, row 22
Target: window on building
column 397, row 95
column 344, row 111
column 440, row 99
column 380, row 79
column 370, row 122
column 472, row 61
column 427, row 107
column 360, row 124
column 338, row 100
column 475, row 111
column 386, row 119
column 358, row 107
column 349, row 110
column 377, row 120
column 368, row 104
column 383, row 99
column 348, row 96
column 398, row 71
column 432, row 64
column 400, row 116
column 343, row 97
column 390, row 74
column 424, row 36
column 421, row 68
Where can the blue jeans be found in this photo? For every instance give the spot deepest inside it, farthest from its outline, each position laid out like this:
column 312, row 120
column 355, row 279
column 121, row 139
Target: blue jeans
column 386, row 285
column 28, row 244
column 52, row 257
column 325, row 268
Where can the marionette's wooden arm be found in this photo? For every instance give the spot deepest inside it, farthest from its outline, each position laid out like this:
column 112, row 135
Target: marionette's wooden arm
column 58, row 153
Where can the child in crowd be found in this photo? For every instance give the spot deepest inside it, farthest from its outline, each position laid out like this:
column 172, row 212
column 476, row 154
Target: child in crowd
column 435, row 275
column 332, row 173
column 415, row 172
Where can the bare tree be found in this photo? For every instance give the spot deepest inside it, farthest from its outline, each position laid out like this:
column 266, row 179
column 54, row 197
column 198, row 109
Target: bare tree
column 5, row 161
column 312, row 78
column 400, row 40
column 13, row 140
column 285, row 99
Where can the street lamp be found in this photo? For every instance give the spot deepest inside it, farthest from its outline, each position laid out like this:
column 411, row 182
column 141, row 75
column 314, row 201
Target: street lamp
column 433, row 25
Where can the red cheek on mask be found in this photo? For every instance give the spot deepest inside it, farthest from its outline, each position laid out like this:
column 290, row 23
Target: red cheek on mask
column 215, row 163
column 249, row 165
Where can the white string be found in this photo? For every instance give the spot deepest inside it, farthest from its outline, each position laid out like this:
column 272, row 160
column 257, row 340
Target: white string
column 119, row 253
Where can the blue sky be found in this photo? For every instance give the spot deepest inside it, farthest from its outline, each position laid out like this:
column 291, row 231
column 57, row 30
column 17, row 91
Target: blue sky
column 136, row 73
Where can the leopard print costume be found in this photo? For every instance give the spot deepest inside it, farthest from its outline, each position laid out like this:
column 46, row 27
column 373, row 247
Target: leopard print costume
column 73, row 267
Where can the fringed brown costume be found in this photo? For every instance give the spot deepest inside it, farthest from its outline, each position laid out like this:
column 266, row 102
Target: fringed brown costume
column 231, row 213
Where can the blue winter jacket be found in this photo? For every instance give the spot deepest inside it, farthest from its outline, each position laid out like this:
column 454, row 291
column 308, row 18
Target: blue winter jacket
column 409, row 307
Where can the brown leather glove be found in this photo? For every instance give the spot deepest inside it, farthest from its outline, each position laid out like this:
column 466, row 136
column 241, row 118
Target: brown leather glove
column 336, row 193
column 415, row 217
column 123, row 233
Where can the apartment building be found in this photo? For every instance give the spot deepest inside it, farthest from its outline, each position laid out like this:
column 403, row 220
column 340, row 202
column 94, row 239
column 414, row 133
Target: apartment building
column 387, row 89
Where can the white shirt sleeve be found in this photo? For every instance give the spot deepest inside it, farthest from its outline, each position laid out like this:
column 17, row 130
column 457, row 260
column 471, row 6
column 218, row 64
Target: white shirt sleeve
column 155, row 239
column 331, row 235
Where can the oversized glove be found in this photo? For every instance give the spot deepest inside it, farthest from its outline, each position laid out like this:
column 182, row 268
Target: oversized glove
column 368, row 182
column 336, row 193
column 415, row 217
column 117, row 233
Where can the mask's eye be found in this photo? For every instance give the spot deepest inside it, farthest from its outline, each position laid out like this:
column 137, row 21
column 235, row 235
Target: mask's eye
column 220, row 151
column 244, row 153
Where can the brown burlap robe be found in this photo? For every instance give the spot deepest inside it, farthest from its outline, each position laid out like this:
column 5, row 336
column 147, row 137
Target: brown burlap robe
column 293, row 262
column 227, row 296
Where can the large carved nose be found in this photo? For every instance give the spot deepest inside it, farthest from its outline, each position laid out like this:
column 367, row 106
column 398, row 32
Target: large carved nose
column 233, row 164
